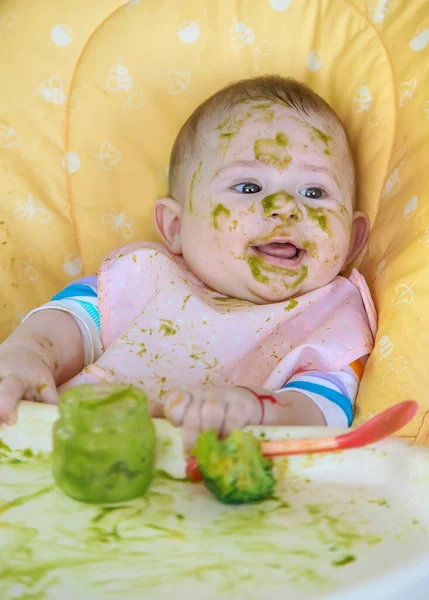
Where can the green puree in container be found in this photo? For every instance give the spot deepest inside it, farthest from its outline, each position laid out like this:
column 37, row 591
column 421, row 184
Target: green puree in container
column 104, row 443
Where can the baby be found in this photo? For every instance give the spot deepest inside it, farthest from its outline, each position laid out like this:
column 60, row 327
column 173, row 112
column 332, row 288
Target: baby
column 239, row 316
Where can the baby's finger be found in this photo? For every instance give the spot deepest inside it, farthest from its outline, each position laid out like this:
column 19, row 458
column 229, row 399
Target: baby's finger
column 236, row 417
column 212, row 413
column 192, row 422
column 175, row 406
column 48, row 393
column 12, row 390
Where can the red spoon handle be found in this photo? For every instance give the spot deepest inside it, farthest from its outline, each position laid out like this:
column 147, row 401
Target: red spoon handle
column 299, row 446
column 381, row 426
column 192, row 470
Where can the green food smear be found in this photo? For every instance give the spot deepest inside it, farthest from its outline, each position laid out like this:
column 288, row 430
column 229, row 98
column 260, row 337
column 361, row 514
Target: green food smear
column 185, row 301
column 266, row 108
column 280, row 230
column 262, row 105
column 21, row 500
column 231, row 302
column 269, row 116
column 4, row 448
column 311, row 248
column 191, row 189
column 320, row 135
column 318, row 215
column 380, row 502
column 218, row 211
column 231, row 126
column 343, row 213
column 276, row 201
column 49, row 540
column 292, row 303
column 259, row 267
column 301, row 277
column 337, row 532
column 344, row 561
column 142, row 350
column 167, row 331
column 167, row 327
column 228, row 130
column 165, row 475
column 273, row 151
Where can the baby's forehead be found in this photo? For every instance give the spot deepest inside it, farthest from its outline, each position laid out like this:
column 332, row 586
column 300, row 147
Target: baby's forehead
column 250, row 120
column 239, row 130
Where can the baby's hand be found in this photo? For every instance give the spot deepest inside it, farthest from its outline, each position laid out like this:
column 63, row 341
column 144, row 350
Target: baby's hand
column 223, row 408
column 23, row 375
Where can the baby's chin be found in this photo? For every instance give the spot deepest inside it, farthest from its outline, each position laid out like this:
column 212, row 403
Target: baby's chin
column 261, row 293
column 265, row 295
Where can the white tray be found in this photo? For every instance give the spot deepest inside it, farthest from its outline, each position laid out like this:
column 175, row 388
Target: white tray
column 350, row 525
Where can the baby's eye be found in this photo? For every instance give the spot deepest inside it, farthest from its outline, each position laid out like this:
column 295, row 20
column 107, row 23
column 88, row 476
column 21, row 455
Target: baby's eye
column 247, row 188
column 313, row 193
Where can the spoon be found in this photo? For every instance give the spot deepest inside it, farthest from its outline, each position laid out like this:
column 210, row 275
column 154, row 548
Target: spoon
column 382, row 425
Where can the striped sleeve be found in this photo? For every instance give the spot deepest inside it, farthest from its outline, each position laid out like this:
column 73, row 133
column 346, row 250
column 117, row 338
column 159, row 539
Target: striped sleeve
column 80, row 300
column 334, row 392
column 84, row 292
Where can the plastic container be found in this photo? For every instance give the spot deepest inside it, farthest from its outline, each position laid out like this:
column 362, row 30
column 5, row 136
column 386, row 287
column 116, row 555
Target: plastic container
column 103, row 443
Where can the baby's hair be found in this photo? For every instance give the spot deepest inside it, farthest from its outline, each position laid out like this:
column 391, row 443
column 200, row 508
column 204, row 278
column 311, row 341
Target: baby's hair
column 284, row 91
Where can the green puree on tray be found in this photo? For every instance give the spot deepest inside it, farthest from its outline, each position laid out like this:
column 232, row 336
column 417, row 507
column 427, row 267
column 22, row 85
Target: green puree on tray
column 104, row 443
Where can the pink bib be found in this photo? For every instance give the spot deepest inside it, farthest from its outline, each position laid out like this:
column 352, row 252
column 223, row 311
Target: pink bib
column 162, row 328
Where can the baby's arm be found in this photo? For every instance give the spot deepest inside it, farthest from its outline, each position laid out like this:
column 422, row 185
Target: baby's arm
column 290, row 408
column 50, row 347
column 334, row 393
column 307, row 399
column 225, row 408
column 314, row 398
column 43, row 352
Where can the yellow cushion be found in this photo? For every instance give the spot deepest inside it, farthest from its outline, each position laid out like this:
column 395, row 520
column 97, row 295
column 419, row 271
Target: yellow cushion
column 96, row 92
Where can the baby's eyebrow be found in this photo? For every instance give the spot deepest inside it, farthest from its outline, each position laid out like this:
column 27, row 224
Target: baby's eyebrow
column 256, row 164
column 251, row 164
column 318, row 169
column 314, row 168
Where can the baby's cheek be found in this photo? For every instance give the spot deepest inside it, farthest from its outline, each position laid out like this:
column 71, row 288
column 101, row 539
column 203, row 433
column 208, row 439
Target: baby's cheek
column 336, row 253
column 332, row 262
column 328, row 252
column 220, row 216
column 234, row 221
column 342, row 232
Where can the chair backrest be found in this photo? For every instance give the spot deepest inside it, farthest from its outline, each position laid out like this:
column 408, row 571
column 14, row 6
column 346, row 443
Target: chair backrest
column 93, row 95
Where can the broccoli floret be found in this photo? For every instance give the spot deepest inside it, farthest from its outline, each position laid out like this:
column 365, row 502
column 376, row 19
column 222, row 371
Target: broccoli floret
column 234, row 469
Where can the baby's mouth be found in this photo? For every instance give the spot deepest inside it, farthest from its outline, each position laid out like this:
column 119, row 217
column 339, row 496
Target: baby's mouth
column 281, row 253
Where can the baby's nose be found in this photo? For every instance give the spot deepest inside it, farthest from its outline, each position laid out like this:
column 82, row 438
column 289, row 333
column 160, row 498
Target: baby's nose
column 283, row 205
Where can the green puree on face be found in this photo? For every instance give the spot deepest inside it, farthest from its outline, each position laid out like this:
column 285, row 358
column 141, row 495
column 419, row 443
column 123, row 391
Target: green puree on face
column 103, row 443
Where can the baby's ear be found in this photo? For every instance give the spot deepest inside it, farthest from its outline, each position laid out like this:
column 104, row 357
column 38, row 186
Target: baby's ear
column 168, row 214
column 359, row 236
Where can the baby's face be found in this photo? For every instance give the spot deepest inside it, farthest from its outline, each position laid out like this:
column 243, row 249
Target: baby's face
column 268, row 213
